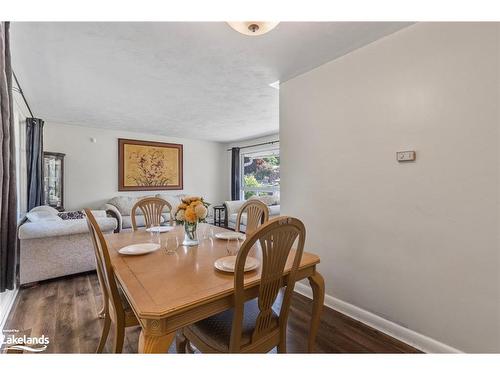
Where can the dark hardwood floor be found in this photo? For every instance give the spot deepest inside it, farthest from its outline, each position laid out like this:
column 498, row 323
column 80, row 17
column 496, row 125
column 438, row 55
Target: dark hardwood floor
column 65, row 310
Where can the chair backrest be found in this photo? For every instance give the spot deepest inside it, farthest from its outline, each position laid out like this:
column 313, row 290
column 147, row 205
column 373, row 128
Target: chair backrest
column 105, row 271
column 152, row 209
column 275, row 240
column 257, row 214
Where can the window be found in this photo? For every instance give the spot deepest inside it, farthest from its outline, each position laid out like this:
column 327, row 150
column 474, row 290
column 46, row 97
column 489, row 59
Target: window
column 260, row 173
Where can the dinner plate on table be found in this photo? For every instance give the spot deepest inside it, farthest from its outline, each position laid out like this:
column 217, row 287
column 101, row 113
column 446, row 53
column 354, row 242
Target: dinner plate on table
column 228, row 263
column 161, row 229
column 231, row 236
column 139, row 248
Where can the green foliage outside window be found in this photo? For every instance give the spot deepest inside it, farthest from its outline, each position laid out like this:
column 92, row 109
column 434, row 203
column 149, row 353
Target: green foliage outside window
column 261, row 172
column 250, row 181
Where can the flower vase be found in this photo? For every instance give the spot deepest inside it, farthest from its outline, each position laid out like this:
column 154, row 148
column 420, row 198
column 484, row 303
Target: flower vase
column 190, row 236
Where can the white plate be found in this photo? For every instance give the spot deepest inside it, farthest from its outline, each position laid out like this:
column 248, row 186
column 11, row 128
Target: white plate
column 227, row 264
column 139, row 248
column 229, row 236
column 160, row 229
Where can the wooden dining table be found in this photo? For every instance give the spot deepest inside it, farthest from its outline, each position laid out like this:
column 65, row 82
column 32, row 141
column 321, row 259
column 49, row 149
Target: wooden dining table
column 170, row 291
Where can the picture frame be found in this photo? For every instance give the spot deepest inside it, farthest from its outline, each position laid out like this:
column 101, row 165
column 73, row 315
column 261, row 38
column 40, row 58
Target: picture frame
column 149, row 165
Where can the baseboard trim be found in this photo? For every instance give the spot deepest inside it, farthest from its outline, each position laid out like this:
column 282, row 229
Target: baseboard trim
column 415, row 339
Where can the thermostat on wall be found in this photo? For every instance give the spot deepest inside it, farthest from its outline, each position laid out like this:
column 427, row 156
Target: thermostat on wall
column 406, row 156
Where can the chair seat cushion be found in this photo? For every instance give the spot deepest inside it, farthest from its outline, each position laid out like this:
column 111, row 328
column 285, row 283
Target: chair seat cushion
column 215, row 331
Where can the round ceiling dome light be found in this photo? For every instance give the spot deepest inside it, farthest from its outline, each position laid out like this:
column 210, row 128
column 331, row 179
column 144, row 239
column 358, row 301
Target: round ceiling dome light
column 253, row 27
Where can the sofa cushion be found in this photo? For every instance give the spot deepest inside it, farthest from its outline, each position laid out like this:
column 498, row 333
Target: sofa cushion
column 274, row 210
column 266, row 199
column 173, row 200
column 38, row 216
column 139, row 220
column 124, row 203
column 232, row 219
column 233, row 206
column 44, row 209
column 269, row 200
column 99, row 213
column 127, row 221
column 46, row 228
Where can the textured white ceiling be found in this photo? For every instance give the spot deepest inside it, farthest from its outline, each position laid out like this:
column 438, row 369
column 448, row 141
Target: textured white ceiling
column 187, row 79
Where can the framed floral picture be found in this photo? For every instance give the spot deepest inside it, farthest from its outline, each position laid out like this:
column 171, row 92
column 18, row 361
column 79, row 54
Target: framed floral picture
column 145, row 165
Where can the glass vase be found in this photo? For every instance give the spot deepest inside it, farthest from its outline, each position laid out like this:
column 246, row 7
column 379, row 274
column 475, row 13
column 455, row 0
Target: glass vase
column 190, row 236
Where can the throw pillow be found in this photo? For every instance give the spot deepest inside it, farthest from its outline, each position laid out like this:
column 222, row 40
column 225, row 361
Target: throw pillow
column 71, row 215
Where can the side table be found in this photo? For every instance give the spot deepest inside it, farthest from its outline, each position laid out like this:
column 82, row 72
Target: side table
column 219, row 216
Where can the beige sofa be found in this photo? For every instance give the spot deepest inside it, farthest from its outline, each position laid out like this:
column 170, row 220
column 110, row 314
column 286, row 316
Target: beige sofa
column 120, row 207
column 52, row 247
column 232, row 208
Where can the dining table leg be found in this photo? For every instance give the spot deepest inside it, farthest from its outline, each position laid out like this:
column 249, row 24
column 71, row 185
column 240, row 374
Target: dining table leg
column 318, row 288
column 153, row 339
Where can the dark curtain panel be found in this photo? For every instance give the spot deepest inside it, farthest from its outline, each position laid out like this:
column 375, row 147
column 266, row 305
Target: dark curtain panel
column 235, row 173
column 34, row 161
column 8, row 189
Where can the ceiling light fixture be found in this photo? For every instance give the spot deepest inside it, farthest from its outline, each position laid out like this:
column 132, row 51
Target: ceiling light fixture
column 253, row 28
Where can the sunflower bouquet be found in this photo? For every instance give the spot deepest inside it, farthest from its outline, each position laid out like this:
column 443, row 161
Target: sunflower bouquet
column 190, row 212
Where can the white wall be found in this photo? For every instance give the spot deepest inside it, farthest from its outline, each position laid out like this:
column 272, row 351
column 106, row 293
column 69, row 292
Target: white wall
column 416, row 243
column 91, row 169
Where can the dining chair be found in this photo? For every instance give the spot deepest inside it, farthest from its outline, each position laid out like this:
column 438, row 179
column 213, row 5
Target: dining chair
column 254, row 326
column 257, row 214
column 151, row 208
column 116, row 308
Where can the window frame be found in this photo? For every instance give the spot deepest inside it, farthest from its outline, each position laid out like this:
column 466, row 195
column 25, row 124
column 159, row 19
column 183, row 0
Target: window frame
column 264, row 152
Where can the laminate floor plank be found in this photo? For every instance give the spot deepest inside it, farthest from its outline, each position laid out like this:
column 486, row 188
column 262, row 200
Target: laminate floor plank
column 89, row 332
column 67, row 326
column 65, row 310
column 44, row 322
